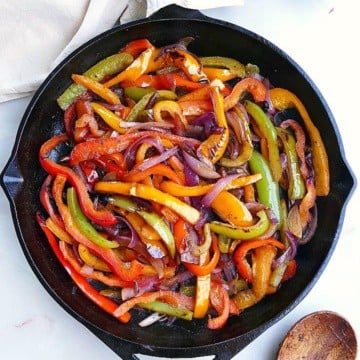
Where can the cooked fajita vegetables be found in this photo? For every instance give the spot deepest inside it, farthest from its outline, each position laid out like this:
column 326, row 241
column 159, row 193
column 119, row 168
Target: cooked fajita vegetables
column 183, row 188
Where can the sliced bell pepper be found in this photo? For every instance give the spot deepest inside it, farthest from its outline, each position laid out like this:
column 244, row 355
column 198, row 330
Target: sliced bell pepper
column 98, row 216
column 58, row 231
column 149, row 193
column 109, row 117
column 170, row 107
column 242, row 250
column 126, row 272
column 139, row 107
column 220, row 300
column 135, row 69
column 307, row 203
column 234, row 66
column 164, row 308
column 231, row 209
column 267, row 189
column 176, row 189
column 96, row 88
column 90, row 259
column 214, row 147
column 136, row 93
column 108, row 66
column 100, row 300
column 245, row 232
column 84, row 224
column 251, row 85
column 135, row 47
column 268, row 132
column 283, row 99
column 245, row 299
column 296, row 189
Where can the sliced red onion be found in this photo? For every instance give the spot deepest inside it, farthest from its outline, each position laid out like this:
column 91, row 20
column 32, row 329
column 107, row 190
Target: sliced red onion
column 290, row 252
column 310, row 229
column 200, row 167
column 78, row 170
column 191, row 178
column 182, row 45
column 218, row 187
column 86, row 270
column 151, row 126
column 155, row 160
column 270, row 107
column 177, row 279
column 274, row 221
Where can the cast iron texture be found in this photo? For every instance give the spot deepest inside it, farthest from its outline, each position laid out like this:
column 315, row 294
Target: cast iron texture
column 23, row 176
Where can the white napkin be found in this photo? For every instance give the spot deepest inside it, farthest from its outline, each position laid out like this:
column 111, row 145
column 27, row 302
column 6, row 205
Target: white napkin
column 35, row 35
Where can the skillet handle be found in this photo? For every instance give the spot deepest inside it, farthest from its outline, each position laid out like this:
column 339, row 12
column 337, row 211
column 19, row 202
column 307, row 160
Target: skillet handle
column 177, row 12
column 11, row 179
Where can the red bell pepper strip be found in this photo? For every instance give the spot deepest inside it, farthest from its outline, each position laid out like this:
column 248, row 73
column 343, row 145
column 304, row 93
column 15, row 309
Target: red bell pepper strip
column 290, row 270
column 242, row 250
column 124, row 271
column 69, row 119
column 136, row 47
column 98, row 216
column 220, row 300
column 252, row 85
column 100, row 300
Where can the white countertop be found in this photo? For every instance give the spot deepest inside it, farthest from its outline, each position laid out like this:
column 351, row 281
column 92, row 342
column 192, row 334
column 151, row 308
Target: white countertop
column 320, row 37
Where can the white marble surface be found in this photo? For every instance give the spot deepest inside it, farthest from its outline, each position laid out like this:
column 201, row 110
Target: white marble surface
column 321, row 37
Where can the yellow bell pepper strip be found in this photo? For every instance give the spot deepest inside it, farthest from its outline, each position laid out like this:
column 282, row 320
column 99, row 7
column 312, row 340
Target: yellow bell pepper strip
column 244, row 299
column 149, row 193
column 213, row 73
column 296, row 188
column 176, row 189
column 170, row 107
column 90, row 259
column 135, row 69
column 164, row 308
column 98, row 216
column 90, row 292
column 307, row 203
column 235, row 67
column 243, row 249
column 151, row 218
column 244, row 232
column 170, row 297
column 126, row 272
column 109, row 117
column 268, row 131
column 84, row 224
column 96, row 88
column 283, row 99
column 108, row 66
column 255, row 87
column 220, row 300
column 246, row 142
column 214, row 147
column 58, row 231
column 262, row 259
column 267, row 189
column 231, row 209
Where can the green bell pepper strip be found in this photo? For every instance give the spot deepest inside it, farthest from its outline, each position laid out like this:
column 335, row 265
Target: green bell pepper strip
column 242, row 233
column 151, row 218
column 137, row 93
column 233, row 65
column 108, row 66
column 164, row 308
column 267, row 188
column 296, row 188
column 267, row 130
column 84, row 224
column 139, row 107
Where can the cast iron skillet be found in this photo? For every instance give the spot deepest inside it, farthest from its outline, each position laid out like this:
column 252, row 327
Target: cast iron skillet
column 23, row 176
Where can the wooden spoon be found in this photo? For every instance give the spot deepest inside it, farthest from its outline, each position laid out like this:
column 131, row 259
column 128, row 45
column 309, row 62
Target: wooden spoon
column 320, row 335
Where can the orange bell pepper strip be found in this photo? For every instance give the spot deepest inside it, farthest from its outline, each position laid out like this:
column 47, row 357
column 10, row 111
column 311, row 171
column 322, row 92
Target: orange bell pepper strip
column 138, row 67
column 231, row 209
column 170, row 107
column 290, row 270
column 103, row 302
column 307, row 203
column 176, row 189
column 98, row 216
column 262, row 259
column 149, row 193
column 244, row 299
column 196, row 107
column 215, row 73
column 96, row 87
column 242, row 250
column 251, row 85
column 159, row 169
column 220, row 300
column 170, row 297
column 283, row 99
column 214, row 147
column 59, row 232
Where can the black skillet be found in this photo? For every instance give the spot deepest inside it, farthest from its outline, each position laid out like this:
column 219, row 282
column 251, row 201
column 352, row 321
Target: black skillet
column 23, row 176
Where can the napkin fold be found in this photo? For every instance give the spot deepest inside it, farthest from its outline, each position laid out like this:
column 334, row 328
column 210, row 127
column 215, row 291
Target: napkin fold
column 36, row 35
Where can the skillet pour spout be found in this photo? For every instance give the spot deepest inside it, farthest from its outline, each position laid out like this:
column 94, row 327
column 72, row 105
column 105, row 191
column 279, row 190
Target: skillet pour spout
column 43, row 119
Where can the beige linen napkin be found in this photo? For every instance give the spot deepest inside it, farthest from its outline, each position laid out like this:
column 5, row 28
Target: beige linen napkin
column 35, row 35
